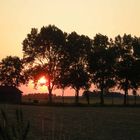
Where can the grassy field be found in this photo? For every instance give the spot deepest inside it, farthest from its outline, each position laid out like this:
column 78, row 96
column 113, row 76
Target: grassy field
column 80, row 123
column 93, row 100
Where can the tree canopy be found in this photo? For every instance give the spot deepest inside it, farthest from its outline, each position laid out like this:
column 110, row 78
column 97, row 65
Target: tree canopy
column 76, row 61
column 11, row 73
column 43, row 51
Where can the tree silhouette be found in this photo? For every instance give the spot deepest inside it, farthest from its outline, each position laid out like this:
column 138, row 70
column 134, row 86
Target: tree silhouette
column 78, row 79
column 125, row 71
column 136, row 66
column 43, row 52
column 72, row 60
column 136, row 47
column 101, row 64
column 11, row 71
column 63, row 78
column 87, row 95
column 78, row 47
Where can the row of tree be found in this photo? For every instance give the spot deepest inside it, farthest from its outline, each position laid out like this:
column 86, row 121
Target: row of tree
column 73, row 60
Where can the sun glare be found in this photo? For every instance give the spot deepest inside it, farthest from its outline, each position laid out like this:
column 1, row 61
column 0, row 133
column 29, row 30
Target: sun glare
column 42, row 80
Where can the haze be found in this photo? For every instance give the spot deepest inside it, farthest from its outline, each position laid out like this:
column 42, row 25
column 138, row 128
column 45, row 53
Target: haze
column 110, row 17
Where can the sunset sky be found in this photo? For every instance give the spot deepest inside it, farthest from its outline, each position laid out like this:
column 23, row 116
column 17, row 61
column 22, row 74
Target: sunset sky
column 109, row 17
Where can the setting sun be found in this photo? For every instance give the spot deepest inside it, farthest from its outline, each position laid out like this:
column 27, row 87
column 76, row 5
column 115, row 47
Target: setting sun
column 42, row 80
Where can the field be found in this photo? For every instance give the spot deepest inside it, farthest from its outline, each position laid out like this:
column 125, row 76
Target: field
column 93, row 100
column 80, row 123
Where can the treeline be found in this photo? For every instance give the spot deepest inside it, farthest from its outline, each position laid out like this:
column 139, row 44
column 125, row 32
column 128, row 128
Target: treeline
column 77, row 61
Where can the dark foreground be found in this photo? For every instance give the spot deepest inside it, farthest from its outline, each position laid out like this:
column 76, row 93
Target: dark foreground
column 80, row 123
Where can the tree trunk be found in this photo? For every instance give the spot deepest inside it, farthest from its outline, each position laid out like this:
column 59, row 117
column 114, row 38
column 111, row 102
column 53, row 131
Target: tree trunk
column 125, row 97
column 125, row 92
column 102, row 96
column 135, row 96
column 102, row 92
column 49, row 80
column 63, row 95
column 50, row 92
column 88, row 99
column 50, row 96
column 112, row 100
column 135, row 99
column 77, row 96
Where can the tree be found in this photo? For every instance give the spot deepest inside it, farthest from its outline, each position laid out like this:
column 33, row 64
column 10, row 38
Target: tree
column 136, row 47
column 11, row 73
column 78, row 79
column 63, row 83
column 43, row 52
column 78, row 48
column 87, row 95
column 134, row 92
column 125, row 64
column 101, row 64
column 63, row 78
column 136, row 66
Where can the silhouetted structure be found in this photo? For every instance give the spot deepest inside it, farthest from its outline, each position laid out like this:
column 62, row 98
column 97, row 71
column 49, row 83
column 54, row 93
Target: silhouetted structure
column 10, row 94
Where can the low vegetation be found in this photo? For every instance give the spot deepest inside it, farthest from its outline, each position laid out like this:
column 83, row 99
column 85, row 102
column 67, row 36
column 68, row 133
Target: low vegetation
column 79, row 123
column 13, row 129
column 70, row 100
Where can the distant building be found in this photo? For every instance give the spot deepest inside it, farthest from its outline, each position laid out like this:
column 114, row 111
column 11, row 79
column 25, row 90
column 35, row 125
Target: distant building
column 10, row 94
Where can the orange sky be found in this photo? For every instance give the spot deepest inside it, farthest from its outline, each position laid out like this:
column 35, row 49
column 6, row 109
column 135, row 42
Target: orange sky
column 110, row 17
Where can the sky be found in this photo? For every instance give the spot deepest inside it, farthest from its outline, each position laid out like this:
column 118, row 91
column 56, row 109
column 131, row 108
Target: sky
column 88, row 17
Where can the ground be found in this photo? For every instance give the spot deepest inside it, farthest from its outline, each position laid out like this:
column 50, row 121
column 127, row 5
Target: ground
column 93, row 100
column 80, row 123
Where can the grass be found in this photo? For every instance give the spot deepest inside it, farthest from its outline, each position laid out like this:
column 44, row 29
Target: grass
column 82, row 100
column 17, row 130
column 80, row 123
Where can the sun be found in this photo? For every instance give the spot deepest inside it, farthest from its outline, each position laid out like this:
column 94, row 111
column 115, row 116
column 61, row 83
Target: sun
column 42, row 80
